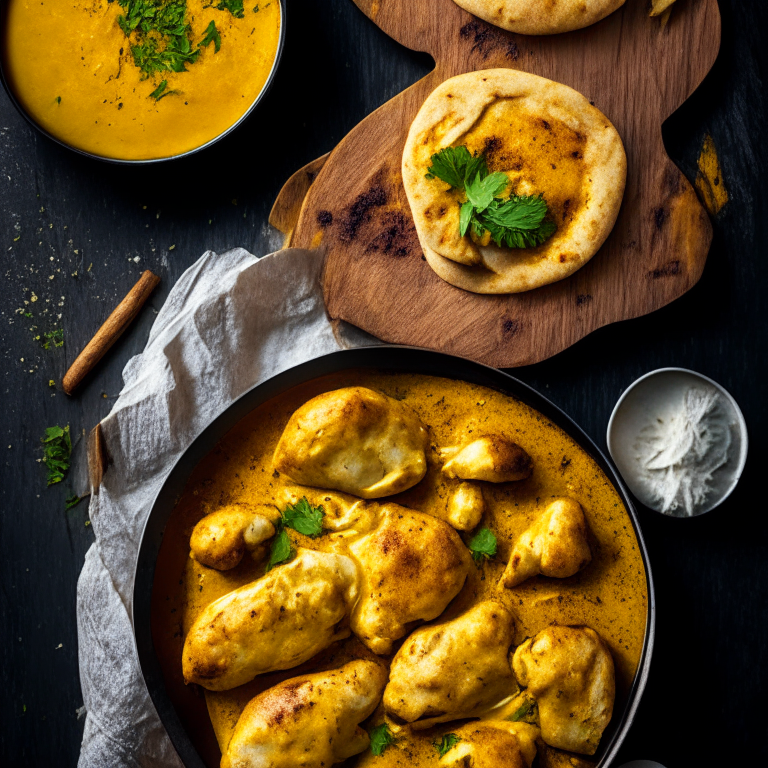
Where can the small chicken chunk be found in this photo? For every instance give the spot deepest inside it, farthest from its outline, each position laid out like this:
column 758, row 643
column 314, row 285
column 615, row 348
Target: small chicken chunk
column 466, row 506
column 412, row 566
column 310, row 721
column 221, row 538
column 354, row 440
column 555, row 545
column 276, row 622
column 454, row 669
column 569, row 671
column 492, row 458
column 492, row 744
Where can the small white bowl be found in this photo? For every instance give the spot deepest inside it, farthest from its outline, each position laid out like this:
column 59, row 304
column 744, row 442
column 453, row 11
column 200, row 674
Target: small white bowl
column 658, row 394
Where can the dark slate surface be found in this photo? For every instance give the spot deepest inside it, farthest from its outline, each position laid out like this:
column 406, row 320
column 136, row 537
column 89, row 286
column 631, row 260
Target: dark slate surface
column 72, row 229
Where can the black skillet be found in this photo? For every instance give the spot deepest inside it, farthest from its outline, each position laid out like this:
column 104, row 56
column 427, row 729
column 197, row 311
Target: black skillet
column 387, row 358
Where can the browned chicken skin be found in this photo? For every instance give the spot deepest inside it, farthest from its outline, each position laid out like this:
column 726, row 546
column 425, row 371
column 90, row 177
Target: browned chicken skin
column 354, row 440
column 569, row 672
column 492, row 458
column 310, row 721
column 555, row 545
column 454, row 669
column 412, row 565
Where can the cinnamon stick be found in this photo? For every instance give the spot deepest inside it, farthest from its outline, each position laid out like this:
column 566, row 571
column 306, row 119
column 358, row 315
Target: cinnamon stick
column 110, row 332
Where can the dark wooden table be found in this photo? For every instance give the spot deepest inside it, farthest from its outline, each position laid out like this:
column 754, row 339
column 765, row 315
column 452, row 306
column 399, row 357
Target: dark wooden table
column 76, row 234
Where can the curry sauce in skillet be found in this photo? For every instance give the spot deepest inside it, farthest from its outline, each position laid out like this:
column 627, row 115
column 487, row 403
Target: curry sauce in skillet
column 607, row 594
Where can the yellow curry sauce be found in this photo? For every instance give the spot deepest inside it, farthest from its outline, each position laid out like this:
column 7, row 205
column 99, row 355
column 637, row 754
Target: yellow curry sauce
column 609, row 595
column 72, row 68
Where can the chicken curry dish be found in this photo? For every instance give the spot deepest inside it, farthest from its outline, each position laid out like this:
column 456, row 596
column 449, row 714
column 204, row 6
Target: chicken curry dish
column 387, row 569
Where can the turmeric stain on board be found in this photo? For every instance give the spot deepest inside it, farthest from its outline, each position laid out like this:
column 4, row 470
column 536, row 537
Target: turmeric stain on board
column 709, row 180
column 86, row 82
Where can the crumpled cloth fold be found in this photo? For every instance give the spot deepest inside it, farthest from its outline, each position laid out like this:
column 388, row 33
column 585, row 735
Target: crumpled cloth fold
column 230, row 322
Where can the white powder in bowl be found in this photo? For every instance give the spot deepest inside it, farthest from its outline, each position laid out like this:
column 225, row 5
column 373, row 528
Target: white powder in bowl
column 679, row 455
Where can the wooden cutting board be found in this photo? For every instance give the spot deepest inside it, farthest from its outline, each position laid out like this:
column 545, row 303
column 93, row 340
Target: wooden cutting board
column 355, row 211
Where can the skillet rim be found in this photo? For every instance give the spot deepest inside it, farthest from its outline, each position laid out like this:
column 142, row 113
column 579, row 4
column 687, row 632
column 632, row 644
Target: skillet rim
column 385, row 357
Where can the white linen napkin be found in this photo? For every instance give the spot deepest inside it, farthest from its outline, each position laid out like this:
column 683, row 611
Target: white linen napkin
column 230, row 322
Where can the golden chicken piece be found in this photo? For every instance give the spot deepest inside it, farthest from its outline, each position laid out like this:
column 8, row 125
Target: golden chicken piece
column 466, row 506
column 569, row 671
column 354, row 440
column 276, row 622
column 492, row 458
column 555, row 545
column 310, row 721
column 221, row 538
column 491, row 744
column 454, row 669
column 412, row 566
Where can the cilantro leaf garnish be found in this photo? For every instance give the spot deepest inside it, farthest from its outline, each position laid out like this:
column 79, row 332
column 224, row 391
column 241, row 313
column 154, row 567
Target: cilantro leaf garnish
column 381, row 738
column 456, row 166
column 482, row 191
column 483, row 544
column 281, row 549
column 57, row 450
column 302, row 517
column 447, row 743
column 211, row 36
column 516, row 222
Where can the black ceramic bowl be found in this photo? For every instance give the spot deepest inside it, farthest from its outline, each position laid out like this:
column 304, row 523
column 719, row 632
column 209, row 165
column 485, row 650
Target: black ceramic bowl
column 242, row 119
column 388, row 358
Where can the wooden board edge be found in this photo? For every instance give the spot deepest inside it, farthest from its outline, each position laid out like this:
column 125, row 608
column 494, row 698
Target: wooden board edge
column 287, row 206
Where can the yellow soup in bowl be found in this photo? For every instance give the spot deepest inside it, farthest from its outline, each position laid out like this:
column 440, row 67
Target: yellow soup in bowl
column 139, row 79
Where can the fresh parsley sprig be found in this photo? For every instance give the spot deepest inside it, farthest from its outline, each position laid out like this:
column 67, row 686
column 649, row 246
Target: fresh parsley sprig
column 483, row 545
column 57, row 450
column 302, row 517
column 381, row 738
column 446, row 744
column 516, row 222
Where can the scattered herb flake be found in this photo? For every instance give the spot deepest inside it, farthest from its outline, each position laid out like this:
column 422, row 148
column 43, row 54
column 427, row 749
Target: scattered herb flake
column 483, row 544
column 447, row 743
column 71, row 501
column 381, row 738
column 53, row 338
column 525, row 711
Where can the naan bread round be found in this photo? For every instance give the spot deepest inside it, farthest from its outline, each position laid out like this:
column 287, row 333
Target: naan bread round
column 549, row 140
column 541, row 17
